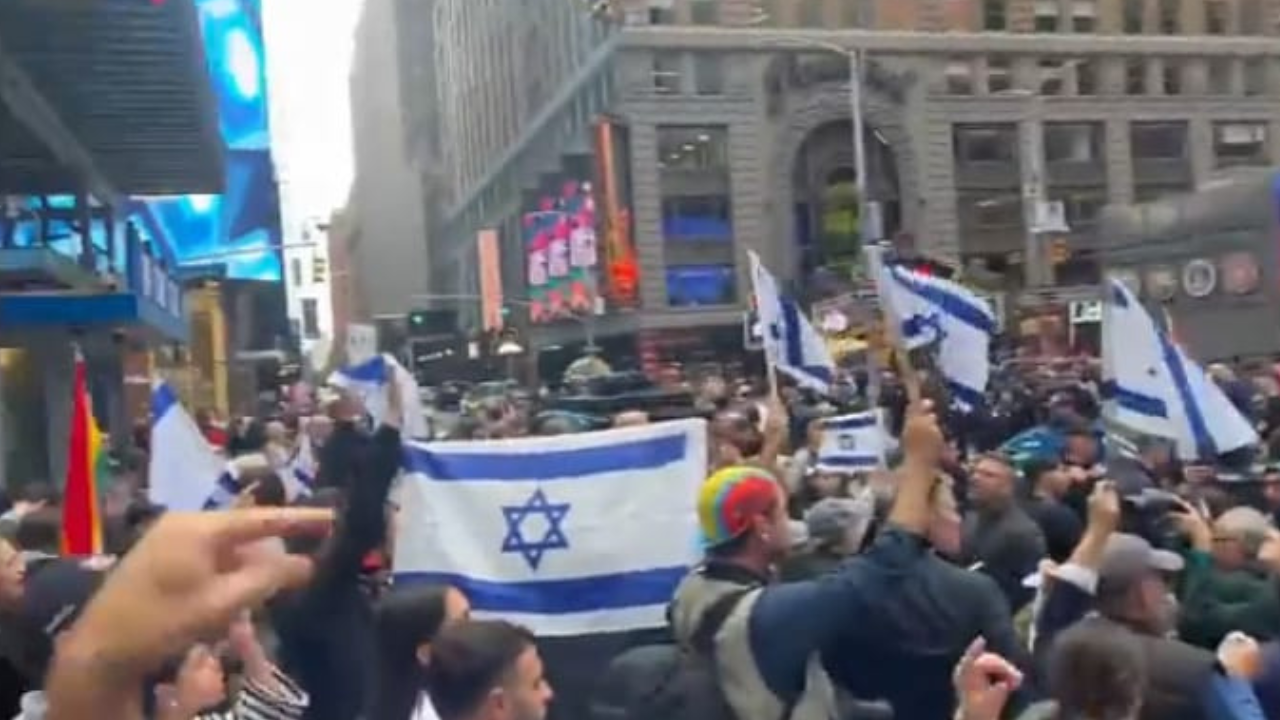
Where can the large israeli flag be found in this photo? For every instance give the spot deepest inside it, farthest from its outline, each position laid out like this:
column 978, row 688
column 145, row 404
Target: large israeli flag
column 568, row 535
column 928, row 310
column 1152, row 387
column 853, row 443
column 791, row 343
column 183, row 469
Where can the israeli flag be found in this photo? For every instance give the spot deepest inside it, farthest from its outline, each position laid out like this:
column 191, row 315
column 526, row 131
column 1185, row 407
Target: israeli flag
column 853, row 443
column 567, row 535
column 1152, row 387
column 929, row 310
column 183, row 469
column 300, row 477
column 791, row 343
column 367, row 381
column 228, row 486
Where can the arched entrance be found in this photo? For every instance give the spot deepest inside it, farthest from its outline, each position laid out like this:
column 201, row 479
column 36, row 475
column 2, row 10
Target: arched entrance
column 827, row 226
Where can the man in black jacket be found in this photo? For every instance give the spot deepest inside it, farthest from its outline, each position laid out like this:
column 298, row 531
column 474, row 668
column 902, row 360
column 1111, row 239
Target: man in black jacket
column 325, row 630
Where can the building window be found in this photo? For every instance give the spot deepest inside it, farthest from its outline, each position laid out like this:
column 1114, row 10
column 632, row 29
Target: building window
column 999, row 75
column 661, row 15
column 1072, row 142
column 310, row 318
column 1046, row 16
column 985, row 143
column 693, row 148
column 701, row 285
column 1171, row 77
column 1135, row 76
column 1084, row 16
column 1219, row 76
column 1051, row 76
column 1151, row 193
column 1240, row 143
column 697, row 217
column 990, row 210
column 1080, row 207
column 1251, row 20
column 1170, row 22
column 708, row 73
column 1133, row 12
column 666, row 73
column 1217, row 16
column 1086, row 77
column 959, row 78
column 295, row 271
column 1158, row 140
column 704, row 12
column 1255, row 77
column 995, row 14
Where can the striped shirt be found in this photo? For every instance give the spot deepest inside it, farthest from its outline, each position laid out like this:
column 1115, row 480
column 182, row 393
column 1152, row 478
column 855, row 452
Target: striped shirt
column 284, row 700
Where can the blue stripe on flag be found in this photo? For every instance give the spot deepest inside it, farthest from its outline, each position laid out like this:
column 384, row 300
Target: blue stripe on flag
column 373, row 370
column 228, row 488
column 646, row 454
column 1133, row 400
column 850, row 423
column 1195, row 416
column 791, row 320
column 849, row 461
column 952, row 304
column 639, row 588
column 966, row 395
column 162, row 398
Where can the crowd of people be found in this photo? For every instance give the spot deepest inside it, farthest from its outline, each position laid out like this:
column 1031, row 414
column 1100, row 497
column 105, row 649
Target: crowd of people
column 968, row 579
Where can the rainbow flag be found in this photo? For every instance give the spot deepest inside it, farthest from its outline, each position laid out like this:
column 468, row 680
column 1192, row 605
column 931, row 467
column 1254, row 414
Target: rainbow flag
column 81, row 512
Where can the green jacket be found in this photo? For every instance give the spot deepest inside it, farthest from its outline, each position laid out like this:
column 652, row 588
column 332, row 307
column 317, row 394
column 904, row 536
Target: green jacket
column 1214, row 602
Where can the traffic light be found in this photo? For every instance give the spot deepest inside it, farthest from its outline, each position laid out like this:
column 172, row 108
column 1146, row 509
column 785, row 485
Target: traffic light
column 319, row 270
column 417, row 323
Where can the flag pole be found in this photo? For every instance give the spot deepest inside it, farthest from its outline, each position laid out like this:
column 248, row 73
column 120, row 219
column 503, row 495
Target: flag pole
column 906, row 369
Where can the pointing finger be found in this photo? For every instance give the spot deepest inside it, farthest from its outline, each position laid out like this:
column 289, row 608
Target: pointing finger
column 236, row 527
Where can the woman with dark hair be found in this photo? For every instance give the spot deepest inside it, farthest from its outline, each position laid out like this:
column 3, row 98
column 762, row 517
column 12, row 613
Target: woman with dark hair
column 406, row 620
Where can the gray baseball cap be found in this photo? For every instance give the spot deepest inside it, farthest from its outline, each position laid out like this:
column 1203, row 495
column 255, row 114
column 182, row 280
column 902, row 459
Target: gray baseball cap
column 833, row 519
column 1129, row 557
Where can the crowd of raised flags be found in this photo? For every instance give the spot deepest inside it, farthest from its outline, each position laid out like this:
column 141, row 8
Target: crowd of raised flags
column 595, row 528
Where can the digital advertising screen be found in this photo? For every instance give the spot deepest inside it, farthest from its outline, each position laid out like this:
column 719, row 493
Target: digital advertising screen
column 561, row 254
column 238, row 231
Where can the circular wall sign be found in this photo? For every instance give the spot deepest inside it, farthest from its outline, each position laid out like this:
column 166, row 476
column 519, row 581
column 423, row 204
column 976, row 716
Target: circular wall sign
column 1199, row 278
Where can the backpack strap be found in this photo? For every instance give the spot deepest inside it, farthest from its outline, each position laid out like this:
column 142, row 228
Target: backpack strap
column 703, row 640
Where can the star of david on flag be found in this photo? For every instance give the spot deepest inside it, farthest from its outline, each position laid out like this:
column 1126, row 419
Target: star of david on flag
column 542, row 531
column 552, row 537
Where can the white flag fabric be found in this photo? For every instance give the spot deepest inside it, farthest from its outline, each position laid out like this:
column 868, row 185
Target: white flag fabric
column 853, row 443
column 183, row 469
column 791, row 343
column 928, row 310
column 300, row 477
column 567, row 535
column 1152, row 387
column 366, row 381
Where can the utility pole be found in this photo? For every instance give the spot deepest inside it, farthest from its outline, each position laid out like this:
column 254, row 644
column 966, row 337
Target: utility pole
column 1035, row 263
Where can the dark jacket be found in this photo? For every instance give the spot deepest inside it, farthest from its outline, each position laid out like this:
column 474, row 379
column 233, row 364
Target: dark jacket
column 904, row 649
column 1009, row 546
column 325, row 630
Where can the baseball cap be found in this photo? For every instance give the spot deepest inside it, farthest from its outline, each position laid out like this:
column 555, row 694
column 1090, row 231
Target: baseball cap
column 53, row 600
column 834, row 518
column 728, row 499
column 1128, row 557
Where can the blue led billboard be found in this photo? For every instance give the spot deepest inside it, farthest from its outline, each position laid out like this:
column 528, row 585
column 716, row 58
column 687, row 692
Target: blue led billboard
column 238, row 231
